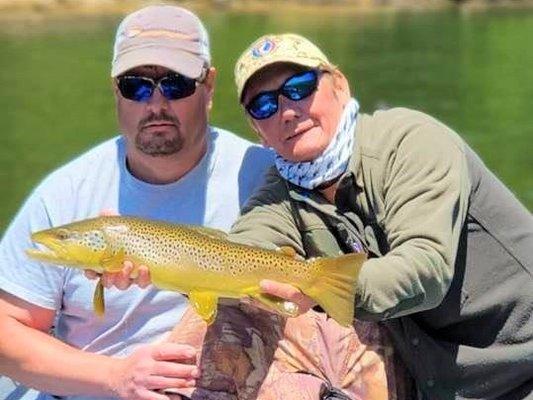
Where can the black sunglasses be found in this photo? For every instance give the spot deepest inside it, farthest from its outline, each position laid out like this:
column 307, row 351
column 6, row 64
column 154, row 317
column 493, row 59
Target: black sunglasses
column 296, row 87
column 141, row 88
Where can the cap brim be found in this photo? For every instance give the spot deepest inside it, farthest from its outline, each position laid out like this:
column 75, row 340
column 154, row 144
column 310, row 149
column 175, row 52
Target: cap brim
column 304, row 62
column 182, row 62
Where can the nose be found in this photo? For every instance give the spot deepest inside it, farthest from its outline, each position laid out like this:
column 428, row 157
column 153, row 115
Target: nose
column 157, row 101
column 288, row 109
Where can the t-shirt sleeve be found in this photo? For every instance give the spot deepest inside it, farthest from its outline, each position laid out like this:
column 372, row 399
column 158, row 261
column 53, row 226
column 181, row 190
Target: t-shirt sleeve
column 252, row 175
column 20, row 276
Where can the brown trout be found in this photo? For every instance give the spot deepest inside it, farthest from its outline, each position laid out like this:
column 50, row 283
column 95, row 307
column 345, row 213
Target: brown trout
column 200, row 263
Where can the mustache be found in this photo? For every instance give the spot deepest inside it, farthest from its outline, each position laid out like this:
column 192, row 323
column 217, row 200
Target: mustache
column 160, row 117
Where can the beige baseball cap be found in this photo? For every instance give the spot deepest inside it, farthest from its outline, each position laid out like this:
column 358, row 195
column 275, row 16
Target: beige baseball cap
column 163, row 35
column 270, row 49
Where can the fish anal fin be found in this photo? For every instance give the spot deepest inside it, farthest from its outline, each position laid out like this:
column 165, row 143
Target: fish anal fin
column 335, row 284
column 113, row 261
column 284, row 307
column 205, row 304
column 98, row 299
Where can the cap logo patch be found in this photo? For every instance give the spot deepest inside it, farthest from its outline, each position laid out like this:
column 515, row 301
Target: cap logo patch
column 263, row 48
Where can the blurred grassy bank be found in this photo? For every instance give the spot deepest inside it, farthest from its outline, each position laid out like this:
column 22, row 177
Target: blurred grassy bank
column 470, row 70
column 36, row 8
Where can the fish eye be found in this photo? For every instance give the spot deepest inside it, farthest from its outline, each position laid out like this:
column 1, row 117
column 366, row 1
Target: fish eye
column 62, row 234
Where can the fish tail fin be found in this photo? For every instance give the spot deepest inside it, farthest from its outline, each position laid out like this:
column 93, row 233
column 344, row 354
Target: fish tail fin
column 335, row 284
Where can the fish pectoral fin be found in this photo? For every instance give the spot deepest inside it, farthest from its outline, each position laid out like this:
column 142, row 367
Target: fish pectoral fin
column 205, row 304
column 98, row 299
column 284, row 307
column 113, row 261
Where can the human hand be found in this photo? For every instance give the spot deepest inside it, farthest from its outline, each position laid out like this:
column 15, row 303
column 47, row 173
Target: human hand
column 123, row 279
column 289, row 293
column 153, row 368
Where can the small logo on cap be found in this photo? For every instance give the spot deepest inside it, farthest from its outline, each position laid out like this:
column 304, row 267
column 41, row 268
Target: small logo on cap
column 263, row 48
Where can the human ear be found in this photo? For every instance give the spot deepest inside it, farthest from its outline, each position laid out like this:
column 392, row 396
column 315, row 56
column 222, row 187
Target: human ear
column 209, row 83
column 116, row 92
column 114, row 87
column 341, row 86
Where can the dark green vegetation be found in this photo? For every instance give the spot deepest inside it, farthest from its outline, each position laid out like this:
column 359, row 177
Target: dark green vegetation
column 473, row 71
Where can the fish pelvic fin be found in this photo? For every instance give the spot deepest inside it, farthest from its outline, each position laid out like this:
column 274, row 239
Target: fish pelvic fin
column 205, row 304
column 98, row 299
column 335, row 284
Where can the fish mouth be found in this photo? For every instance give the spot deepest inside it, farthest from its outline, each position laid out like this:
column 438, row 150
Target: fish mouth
column 49, row 251
column 52, row 250
column 61, row 258
column 46, row 255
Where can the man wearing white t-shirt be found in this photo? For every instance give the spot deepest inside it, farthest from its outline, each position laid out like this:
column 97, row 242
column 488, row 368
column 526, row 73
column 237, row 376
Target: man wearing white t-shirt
column 167, row 164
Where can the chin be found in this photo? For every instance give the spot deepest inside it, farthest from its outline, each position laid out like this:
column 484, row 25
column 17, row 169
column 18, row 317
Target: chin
column 307, row 148
column 302, row 154
column 298, row 157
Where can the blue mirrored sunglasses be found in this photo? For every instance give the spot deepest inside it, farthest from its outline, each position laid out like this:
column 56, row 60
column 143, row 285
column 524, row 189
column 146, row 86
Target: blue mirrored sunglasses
column 141, row 88
column 296, row 87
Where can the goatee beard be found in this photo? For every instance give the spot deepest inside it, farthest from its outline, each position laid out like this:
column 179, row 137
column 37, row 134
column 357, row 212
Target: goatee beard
column 155, row 144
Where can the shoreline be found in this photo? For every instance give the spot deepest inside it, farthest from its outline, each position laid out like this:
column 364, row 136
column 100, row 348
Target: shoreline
column 20, row 10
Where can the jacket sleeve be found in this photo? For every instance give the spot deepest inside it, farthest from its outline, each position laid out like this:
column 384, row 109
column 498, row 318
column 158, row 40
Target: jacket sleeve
column 423, row 196
column 266, row 219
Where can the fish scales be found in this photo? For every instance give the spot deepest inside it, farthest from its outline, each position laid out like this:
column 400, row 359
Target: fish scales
column 199, row 262
column 170, row 245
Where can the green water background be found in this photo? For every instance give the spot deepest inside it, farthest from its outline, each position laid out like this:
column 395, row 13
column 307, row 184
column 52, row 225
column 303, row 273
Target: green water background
column 473, row 71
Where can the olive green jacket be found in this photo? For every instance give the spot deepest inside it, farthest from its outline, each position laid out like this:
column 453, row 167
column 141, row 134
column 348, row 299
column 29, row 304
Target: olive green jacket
column 451, row 272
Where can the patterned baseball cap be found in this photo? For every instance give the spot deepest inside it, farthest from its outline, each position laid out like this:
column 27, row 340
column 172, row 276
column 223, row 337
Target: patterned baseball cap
column 270, row 49
column 163, row 35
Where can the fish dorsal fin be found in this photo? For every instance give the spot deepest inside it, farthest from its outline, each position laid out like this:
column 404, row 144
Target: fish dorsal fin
column 205, row 304
column 288, row 251
column 112, row 261
column 211, row 232
column 98, row 299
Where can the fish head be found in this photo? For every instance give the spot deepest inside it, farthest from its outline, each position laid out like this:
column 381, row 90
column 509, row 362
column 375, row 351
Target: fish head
column 79, row 245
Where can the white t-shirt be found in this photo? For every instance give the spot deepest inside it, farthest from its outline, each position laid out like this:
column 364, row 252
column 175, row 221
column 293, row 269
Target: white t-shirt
column 211, row 195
